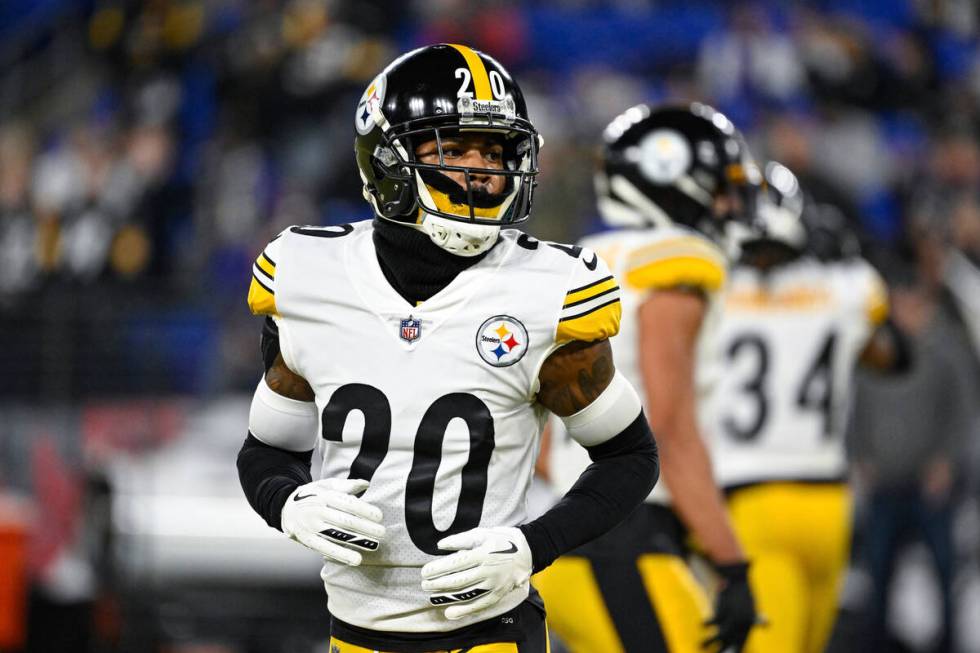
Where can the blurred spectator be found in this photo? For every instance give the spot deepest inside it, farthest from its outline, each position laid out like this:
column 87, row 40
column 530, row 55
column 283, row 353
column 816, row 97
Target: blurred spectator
column 750, row 59
column 908, row 436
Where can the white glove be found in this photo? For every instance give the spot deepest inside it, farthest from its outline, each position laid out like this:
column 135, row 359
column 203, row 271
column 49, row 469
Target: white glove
column 326, row 516
column 489, row 564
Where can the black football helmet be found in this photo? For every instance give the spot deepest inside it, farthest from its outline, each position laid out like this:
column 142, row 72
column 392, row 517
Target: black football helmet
column 429, row 94
column 670, row 164
column 779, row 217
column 789, row 217
column 830, row 237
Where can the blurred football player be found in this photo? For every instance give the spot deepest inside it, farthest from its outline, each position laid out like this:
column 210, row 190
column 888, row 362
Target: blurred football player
column 792, row 328
column 670, row 179
column 421, row 353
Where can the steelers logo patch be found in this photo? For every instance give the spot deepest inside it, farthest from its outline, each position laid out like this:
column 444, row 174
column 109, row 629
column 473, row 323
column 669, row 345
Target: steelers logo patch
column 501, row 341
column 664, row 156
column 370, row 102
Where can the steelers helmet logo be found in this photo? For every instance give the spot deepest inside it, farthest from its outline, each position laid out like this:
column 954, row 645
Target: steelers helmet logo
column 370, row 102
column 501, row 341
column 665, row 155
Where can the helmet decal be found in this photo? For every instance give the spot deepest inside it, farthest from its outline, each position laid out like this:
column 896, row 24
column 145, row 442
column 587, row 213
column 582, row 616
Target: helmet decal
column 368, row 112
column 664, row 155
column 675, row 163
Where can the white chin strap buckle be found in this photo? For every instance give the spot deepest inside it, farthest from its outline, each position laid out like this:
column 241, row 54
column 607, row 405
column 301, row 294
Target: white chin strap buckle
column 460, row 238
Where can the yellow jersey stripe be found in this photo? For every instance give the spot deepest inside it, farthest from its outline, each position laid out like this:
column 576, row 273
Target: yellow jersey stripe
column 683, row 246
column 261, row 300
column 594, row 324
column 878, row 309
column 680, row 271
column 259, row 271
column 612, row 288
column 266, row 264
column 588, row 291
column 481, row 81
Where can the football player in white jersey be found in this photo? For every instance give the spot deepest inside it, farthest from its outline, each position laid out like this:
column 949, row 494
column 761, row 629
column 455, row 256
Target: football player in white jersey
column 670, row 180
column 792, row 329
column 421, row 353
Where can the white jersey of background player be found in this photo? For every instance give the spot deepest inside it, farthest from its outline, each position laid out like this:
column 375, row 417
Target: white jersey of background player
column 670, row 181
column 792, row 328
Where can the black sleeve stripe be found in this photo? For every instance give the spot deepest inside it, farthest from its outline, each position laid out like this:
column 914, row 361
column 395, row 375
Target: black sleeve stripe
column 592, row 310
column 592, row 298
column 264, row 273
column 589, row 285
column 259, row 281
column 266, row 257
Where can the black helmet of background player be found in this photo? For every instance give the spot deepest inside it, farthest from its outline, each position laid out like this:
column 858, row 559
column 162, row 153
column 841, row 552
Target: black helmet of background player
column 829, row 235
column 430, row 94
column 684, row 164
column 790, row 220
column 777, row 234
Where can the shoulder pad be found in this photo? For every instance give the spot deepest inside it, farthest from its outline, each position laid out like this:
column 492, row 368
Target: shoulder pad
column 262, row 290
column 675, row 259
column 591, row 309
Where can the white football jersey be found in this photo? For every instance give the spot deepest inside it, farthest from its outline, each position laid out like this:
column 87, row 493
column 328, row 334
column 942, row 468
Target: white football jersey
column 434, row 403
column 647, row 260
column 787, row 344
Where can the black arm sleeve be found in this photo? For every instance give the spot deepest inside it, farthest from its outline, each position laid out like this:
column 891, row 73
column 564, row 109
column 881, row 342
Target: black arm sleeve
column 269, row 342
column 624, row 470
column 269, row 475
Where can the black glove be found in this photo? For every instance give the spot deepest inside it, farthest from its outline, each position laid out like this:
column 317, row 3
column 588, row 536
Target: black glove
column 734, row 610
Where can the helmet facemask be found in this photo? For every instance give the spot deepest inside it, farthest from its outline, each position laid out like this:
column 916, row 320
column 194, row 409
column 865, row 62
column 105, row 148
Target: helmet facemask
column 464, row 218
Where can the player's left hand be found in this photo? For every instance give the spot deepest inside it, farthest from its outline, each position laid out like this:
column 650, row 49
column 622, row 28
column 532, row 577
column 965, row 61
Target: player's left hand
column 735, row 611
column 489, row 563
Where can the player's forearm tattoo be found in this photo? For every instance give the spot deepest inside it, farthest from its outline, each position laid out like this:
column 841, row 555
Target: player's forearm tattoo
column 287, row 383
column 575, row 375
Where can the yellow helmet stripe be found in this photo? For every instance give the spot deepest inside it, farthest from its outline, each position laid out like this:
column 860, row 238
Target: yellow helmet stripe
column 481, row 81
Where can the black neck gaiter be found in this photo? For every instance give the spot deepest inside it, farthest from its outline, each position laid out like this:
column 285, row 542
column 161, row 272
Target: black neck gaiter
column 415, row 266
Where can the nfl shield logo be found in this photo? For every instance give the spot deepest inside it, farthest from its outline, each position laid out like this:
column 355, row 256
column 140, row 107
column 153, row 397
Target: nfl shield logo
column 410, row 329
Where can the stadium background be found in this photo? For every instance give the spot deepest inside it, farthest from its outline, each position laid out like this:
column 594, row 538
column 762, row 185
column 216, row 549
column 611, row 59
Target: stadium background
column 149, row 150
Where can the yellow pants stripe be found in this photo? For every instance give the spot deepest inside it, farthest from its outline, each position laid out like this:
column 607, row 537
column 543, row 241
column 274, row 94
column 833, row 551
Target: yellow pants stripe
column 575, row 607
column 679, row 602
column 340, row 646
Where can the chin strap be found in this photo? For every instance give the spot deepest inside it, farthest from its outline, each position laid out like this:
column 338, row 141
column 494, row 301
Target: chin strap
column 459, row 238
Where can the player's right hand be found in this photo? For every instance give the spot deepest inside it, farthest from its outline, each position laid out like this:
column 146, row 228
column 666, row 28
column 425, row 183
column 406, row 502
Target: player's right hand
column 735, row 612
column 327, row 517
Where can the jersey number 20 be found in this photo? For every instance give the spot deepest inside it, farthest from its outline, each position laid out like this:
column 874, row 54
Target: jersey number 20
column 420, row 486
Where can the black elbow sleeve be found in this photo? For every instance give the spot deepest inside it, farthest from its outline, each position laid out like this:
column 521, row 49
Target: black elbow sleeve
column 269, row 475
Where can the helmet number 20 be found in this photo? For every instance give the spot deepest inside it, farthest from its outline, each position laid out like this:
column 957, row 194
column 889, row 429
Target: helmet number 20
column 496, row 84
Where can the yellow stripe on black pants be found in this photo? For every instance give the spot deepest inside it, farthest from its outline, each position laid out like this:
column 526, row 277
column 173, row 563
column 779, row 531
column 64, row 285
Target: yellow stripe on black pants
column 628, row 591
